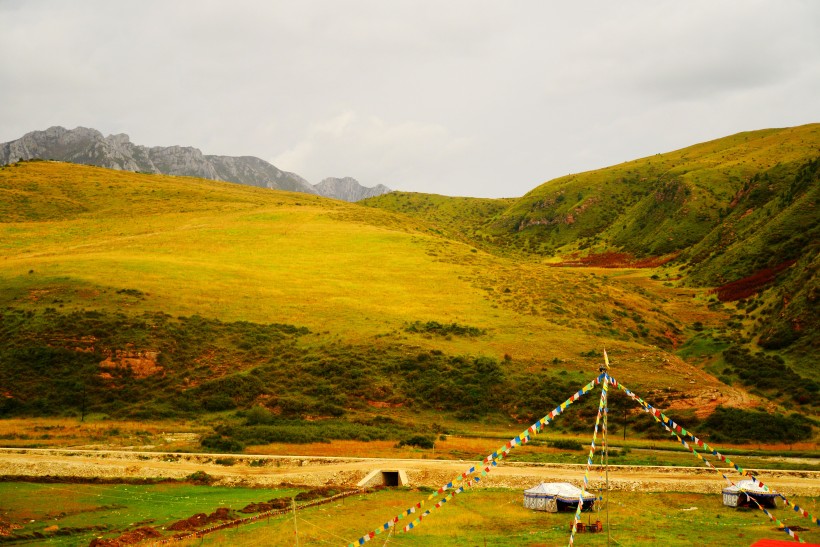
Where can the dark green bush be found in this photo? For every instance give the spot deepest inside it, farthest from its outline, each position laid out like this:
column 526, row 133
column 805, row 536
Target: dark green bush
column 778, row 336
column 242, row 389
column 200, row 477
column 770, row 375
column 301, row 432
column 469, row 386
column 566, row 444
column 258, row 415
column 743, row 426
column 217, row 402
column 218, row 443
column 439, row 329
column 421, row 441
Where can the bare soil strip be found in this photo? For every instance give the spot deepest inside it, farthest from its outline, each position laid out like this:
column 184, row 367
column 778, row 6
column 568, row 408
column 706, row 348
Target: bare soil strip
column 272, row 471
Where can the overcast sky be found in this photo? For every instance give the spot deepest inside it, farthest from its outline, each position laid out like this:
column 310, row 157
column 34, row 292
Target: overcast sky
column 474, row 98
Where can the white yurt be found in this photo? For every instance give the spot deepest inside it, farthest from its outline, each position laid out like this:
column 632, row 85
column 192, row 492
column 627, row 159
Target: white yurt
column 556, row 496
column 736, row 495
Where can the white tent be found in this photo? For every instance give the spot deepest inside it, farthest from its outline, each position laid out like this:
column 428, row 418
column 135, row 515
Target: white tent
column 736, row 494
column 555, row 496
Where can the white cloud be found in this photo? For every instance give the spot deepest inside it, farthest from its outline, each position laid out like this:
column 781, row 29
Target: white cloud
column 373, row 150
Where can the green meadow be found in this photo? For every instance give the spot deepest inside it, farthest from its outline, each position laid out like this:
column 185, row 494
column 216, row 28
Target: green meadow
column 75, row 514
column 495, row 516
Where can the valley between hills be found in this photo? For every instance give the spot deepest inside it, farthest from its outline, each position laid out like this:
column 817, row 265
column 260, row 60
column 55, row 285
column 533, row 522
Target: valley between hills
column 262, row 322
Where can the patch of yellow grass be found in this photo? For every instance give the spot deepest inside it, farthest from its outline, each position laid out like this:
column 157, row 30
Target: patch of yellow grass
column 71, row 432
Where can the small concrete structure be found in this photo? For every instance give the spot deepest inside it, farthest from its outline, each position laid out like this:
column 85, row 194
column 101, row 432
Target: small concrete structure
column 384, row 477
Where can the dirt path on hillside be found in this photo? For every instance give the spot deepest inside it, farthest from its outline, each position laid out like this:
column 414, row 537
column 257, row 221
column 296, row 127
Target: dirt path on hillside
column 271, row 471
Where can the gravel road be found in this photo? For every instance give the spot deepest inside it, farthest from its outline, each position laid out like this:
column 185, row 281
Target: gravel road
column 250, row 470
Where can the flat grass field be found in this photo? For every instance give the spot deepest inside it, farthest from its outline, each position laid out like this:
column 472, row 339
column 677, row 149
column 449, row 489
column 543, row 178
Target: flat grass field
column 113, row 507
column 498, row 518
column 477, row 517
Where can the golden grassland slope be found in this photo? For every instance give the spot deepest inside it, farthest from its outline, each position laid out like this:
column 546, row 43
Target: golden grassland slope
column 71, row 236
column 737, row 213
column 457, row 217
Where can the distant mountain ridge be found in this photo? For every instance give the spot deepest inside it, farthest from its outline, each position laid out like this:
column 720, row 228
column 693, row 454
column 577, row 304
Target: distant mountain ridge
column 89, row 146
column 348, row 189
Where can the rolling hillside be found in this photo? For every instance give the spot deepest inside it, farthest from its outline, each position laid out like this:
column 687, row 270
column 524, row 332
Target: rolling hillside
column 456, row 217
column 660, row 204
column 740, row 211
column 90, row 251
column 148, row 296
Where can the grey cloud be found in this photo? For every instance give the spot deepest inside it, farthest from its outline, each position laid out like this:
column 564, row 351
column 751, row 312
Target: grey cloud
column 483, row 98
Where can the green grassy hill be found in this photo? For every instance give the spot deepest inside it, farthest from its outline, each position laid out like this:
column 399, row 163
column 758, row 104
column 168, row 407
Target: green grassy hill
column 151, row 296
column 458, row 217
column 738, row 211
column 655, row 205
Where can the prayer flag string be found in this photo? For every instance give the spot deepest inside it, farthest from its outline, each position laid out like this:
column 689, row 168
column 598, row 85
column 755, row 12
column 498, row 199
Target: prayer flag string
column 489, row 462
column 798, row 510
column 601, row 406
column 466, row 480
column 675, row 429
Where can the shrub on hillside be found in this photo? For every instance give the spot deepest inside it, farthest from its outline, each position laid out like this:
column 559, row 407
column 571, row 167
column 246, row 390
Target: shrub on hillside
column 242, row 389
column 743, row 426
column 421, row 441
column 258, row 415
column 439, row 329
column 51, row 381
column 49, row 367
column 218, row 443
column 217, row 402
column 778, row 336
column 566, row 444
column 301, row 432
column 770, row 374
column 466, row 385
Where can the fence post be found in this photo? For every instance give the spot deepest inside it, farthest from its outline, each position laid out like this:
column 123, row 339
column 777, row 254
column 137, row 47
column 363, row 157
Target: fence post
column 295, row 529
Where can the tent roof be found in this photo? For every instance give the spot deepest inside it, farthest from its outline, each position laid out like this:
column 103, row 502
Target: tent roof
column 749, row 486
column 556, row 489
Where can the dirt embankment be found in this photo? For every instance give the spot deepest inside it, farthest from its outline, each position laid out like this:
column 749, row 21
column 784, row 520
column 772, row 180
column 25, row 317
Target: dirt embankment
column 271, row 471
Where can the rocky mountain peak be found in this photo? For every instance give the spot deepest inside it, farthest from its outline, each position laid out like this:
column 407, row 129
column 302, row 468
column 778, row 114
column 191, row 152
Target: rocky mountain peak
column 120, row 139
column 88, row 146
column 348, row 189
